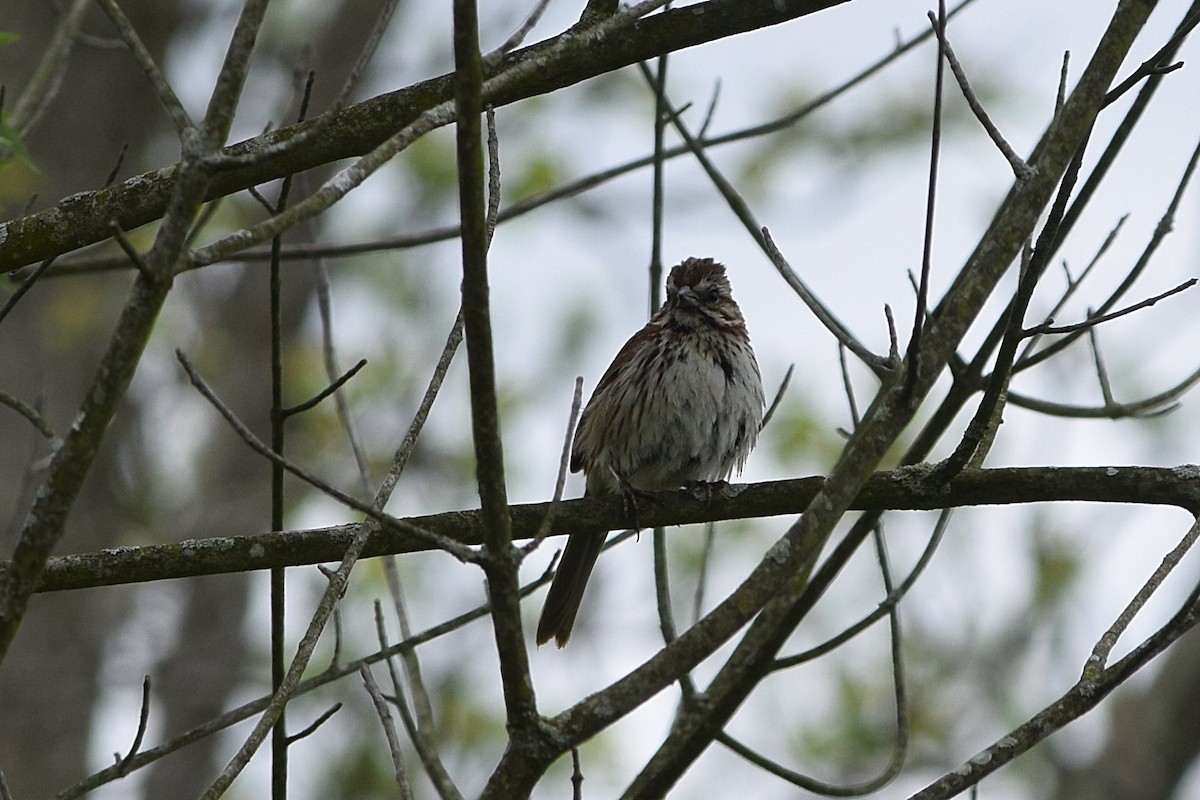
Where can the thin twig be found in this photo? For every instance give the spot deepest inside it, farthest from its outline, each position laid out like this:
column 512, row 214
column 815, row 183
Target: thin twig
column 1101, row 370
column 876, row 363
column 1020, row 169
column 493, row 196
column 1061, row 97
column 778, row 398
column 935, row 145
column 518, row 36
column 30, row 413
column 1154, row 405
column 1073, row 285
column 24, row 287
column 143, row 721
column 127, row 246
column 421, row 730
column 1155, row 65
column 1098, row 660
column 141, row 54
column 831, row 644
column 315, row 725
column 389, row 730
column 899, row 746
column 327, row 391
column 116, row 169
column 404, row 450
column 848, row 387
column 564, row 461
column 1049, row 328
column 576, row 772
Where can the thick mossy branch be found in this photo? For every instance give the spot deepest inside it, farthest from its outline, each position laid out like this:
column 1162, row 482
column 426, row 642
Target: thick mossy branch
column 902, row 489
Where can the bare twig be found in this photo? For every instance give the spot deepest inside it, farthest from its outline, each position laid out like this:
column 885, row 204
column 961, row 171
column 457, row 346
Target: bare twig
column 143, row 721
column 564, row 461
column 848, row 387
column 23, row 288
column 1101, row 370
column 939, row 530
column 127, row 246
column 1157, row 64
column 116, row 169
column 518, row 36
column 420, row 730
column 1048, row 327
column 1020, row 169
column 30, row 413
column 935, row 143
column 338, row 383
column 1098, row 660
column 404, row 450
column 1150, row 406
column 778, row 398
column 315, row 725
column 389, row 730
column 1073, row 285
column 1062, row 83
column 141, row 54
column 899, row 746
column 878, row 364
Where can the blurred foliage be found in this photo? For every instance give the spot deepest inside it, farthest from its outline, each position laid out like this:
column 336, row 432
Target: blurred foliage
column 11, row 144
column 431, row 162
column 1057, row 565
column 798, row 433
column 900, row 121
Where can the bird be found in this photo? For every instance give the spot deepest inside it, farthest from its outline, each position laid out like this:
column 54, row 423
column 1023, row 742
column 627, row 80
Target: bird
column 681, row 404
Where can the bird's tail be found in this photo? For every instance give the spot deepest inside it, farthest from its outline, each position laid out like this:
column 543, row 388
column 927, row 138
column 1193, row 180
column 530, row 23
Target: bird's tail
column 566, row 591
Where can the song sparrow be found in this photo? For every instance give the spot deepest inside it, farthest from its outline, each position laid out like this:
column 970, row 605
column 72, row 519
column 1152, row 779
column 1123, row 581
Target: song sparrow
column 681, row 403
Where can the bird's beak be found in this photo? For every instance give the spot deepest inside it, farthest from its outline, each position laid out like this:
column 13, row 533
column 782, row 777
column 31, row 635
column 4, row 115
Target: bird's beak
column 688, row 297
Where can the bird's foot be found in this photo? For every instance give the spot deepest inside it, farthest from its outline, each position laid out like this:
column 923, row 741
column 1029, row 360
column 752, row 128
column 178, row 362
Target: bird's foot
column 630, row 495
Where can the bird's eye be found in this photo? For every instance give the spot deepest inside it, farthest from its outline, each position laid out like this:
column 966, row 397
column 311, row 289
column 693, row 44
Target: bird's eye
column 711, row 296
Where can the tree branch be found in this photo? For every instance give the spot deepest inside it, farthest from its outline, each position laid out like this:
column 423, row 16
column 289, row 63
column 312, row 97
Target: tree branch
column 900, row 490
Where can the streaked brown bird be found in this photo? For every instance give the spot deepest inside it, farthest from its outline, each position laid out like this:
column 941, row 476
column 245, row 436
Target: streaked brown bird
column 680, row 404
